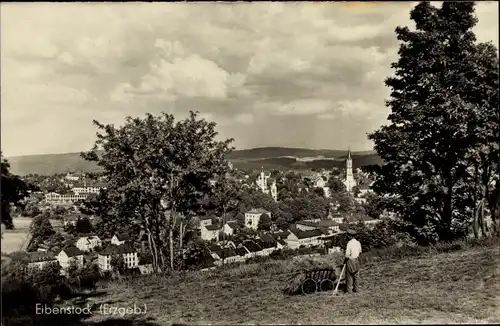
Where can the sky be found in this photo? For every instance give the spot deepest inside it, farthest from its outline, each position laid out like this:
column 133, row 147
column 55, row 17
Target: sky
column 270, row 74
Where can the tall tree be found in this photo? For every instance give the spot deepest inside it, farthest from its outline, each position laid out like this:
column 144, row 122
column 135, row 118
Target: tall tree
column 14, row 190
column 157, row 171
column 438, row 90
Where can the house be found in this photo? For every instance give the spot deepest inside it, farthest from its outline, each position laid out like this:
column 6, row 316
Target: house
column 146, row 269
column 128, row 253
column 207, row 262
column 306, row 226
column 267, row 185
column 252, row 247
column 267, row 245
column 229, row 256
column 39, row 259
column 336, row 217
column 252, row 217
column 329, row 226
column 230, row 227
column 67, row 199
column 369, row 221
column 243, row 253
column 205, row 221
column 88, row 243
column 70, row 220
column 69, row 255
column 119, row 239
column 214, row 250
column 298, row 238
column 211, row 232
column 281, row 244
column 360, row 200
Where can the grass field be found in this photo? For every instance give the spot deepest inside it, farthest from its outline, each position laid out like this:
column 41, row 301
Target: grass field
column 456, row 287
column 17, row 239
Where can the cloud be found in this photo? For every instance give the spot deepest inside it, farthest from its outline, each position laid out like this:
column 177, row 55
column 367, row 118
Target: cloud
column 282, row 74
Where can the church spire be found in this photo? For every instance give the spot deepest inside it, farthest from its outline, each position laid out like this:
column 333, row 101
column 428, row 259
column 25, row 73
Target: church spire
column 349, row 152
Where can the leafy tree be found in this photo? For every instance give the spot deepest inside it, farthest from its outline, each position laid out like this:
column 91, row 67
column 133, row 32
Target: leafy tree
column 319, row 192
column 118, row 263
column 440, row 98
column 83, row 225
column 336, row 185
column 41, row 228
column 14, row 190
column 264, row 222
column 31, row 209
column 157, row 172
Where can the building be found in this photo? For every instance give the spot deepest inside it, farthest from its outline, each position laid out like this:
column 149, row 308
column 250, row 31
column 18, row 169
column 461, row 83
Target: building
column 88, row 243
column 71, row 177
column 349, row 181
column 253, row 248
column 70, row 220
column 69, row 255
column 336, row 217
column 326, row 226
column 39, row 259
column 211, row 232
column 267, row 184
column 204, row 221
column 119, row 239
column 58, row 199
column 252, row 217
column 129, row 254
column 230, row 227
column 267, row 243
column 368, row 221
column 298, row 238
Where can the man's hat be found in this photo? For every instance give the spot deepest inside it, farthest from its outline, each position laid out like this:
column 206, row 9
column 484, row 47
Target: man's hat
column 351, row 231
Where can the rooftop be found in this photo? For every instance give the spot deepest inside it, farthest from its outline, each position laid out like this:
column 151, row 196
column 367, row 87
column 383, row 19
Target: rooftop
column 251, row 246
column 39, row 256
column 257, row 211
column 306, row 234
column 72, row 251
column 213, row 227
column 114, row 249
column 122, row 237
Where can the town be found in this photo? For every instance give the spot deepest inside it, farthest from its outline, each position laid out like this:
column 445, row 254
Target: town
column 244, row 236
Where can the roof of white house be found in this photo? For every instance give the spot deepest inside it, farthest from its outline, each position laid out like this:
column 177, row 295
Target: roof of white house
column 72, row 251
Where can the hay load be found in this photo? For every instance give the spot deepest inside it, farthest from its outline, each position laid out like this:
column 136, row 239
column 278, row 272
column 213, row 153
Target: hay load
column 313, row 275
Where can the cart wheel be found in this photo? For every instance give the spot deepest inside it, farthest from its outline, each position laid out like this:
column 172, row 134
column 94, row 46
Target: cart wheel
column 326, row 285
column 309, row 286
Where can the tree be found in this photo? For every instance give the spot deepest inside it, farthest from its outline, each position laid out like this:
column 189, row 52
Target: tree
column 41, row 228
column 157, row 171
column 224, row 198
column 336, row 185
column 14, row 190
column 319, row 192
column 264, row 222
column 83, row 225
column 118, row 263
column 437, row 93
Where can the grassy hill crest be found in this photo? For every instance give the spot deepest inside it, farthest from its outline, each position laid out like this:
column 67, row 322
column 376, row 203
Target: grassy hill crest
column 267, row 157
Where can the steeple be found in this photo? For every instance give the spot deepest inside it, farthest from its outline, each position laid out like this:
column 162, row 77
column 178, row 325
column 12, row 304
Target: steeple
column 349, row 152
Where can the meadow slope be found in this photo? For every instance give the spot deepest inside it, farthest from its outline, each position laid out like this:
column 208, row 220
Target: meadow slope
column 455, row 287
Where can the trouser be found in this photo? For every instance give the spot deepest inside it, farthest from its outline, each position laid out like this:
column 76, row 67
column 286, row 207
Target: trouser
column 352, row 275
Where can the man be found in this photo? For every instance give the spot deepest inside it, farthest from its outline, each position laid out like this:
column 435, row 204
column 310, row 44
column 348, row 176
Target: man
column 352, row 252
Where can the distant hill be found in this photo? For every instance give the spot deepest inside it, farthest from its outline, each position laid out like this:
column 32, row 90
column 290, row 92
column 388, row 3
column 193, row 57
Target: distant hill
column 255, row 158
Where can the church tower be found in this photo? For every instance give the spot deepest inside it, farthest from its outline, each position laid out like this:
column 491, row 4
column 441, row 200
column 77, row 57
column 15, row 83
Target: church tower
column 349, row 178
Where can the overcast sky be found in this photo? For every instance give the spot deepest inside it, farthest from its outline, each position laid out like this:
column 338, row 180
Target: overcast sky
column 270, row 74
